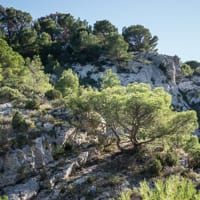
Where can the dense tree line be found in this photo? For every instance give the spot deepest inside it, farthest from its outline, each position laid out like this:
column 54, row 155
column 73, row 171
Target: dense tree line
column 60, row 38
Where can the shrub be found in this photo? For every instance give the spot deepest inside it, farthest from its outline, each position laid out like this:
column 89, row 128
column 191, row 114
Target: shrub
column 192, row 147
column 168, row 159
column 171, row 159
column 53, row 94
column 126, row 195
column 186, row 69
column 130, row 195
column 3, row 197
column 32, row 104
column 194, row 161
column 154, row 167
column 173, row 188
column 58, row 151
column 10, row 94
column 115, row 180
column 18, row 122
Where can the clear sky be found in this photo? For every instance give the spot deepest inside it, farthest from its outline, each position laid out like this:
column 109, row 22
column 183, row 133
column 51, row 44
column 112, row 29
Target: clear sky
column 175, row 22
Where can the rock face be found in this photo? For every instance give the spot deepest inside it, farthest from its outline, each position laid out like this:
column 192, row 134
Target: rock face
column 152, row 68
column 158, row 71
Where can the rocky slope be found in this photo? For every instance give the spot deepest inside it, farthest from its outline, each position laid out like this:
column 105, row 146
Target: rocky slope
column 41, row 169
column 157, row 70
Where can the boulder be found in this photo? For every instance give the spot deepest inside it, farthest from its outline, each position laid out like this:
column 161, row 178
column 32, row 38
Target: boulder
column 23, row 191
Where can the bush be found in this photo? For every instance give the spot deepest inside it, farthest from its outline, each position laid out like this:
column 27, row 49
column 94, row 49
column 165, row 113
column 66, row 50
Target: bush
column 125, row 195
column 3, row 197
column 173, row 188
column 186, row 69
column 32, row 104
column 18, row 122
column 10, row 94
column 192, row 147
column 168, row 159
column 154, row 167
column 194, row 161
column 58, row 151
column 130, row 194
column 53, row 94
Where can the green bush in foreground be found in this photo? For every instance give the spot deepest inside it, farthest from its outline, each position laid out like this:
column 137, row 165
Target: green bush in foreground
column 3, row 197
column 173, row 188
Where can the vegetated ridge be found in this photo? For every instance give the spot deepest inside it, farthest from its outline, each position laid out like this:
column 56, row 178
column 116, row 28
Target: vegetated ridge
column 89, row 113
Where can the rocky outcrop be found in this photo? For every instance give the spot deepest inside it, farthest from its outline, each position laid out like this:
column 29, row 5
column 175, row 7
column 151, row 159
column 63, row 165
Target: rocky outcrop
column 6, row 109
column 157, row 70
column 152, row 68
column 19, row 164
column 23, row 191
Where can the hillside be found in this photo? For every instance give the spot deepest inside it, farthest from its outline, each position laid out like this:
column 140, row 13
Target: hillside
column 88, row 113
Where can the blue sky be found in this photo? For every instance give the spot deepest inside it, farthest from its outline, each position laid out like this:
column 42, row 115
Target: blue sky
column 175, row 22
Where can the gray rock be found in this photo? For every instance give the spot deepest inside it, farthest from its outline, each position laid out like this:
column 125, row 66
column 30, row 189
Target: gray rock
column 23, row 191
column 19, row 163
column 48, row 126
column 80, row 180
column 6, row 109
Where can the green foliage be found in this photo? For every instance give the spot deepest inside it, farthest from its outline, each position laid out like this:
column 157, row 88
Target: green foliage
column 13, row 22
column 115, row 180
column 110, row 79
column 33, row 104
column 171, row 159
column 142, row 115
column 192, row 147
column 130, row 194
column 27, row 42
column 154, row 167
column 126, row 195
column 58, row 151
column 3, row 197
column 139, row 38
column 68, row 83
column 168, row 159
column 104, row 27
column 192, row 142
column 186, row 69
column 53, row 94
column 173, row 188
column 11, row 64
column 35, row 81
column 85, row 46
column 18, row 122
column 53, row 66
column 194, row 162
column 117, row 48
column 10, row 94
column 193, row 64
